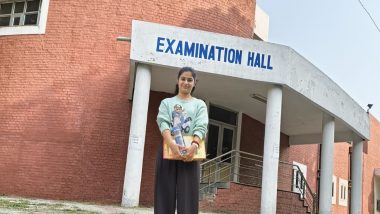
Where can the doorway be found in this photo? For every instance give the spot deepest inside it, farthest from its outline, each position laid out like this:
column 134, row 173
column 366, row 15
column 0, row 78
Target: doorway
column 221, row 140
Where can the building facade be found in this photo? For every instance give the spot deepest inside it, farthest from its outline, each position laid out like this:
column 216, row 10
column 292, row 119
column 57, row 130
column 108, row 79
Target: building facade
column 67, row 96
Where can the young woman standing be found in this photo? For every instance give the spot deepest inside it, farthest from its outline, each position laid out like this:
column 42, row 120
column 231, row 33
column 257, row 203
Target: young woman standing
column 177, row 181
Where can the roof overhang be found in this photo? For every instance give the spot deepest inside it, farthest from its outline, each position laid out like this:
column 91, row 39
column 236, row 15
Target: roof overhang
column 231, row 82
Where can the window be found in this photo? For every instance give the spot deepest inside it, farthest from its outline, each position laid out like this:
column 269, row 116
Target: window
column 343, row 192
column 19, row 13
column 223, row 115
column 299, row 174
column 23, row 16
column 333, row 195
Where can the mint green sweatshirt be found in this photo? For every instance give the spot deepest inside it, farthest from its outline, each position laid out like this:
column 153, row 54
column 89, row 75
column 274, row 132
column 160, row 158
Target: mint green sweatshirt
column 189, row 116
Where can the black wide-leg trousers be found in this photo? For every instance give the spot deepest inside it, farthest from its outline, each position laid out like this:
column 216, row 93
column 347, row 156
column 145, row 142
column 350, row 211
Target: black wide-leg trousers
column 176, row 183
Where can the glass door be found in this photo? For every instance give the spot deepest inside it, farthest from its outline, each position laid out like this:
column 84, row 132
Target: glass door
column 225, row 168
column 221, row 139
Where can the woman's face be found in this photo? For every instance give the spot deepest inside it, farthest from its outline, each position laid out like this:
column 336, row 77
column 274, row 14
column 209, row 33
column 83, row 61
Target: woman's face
column 186, row 83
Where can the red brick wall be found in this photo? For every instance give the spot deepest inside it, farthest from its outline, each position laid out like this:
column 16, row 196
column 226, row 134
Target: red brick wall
column 246, row 199
column 64, row 116
column 252, row 140
column 153, row 140
column 371, row 162
column 308, row 155
column 341, row 170
column 64, row 113
column 252, row 136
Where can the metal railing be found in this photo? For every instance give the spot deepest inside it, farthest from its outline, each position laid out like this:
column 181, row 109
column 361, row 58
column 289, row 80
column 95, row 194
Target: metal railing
column 290, row 172
column 246, row 168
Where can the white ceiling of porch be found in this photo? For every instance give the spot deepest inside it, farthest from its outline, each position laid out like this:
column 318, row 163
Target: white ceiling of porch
column 299, row 115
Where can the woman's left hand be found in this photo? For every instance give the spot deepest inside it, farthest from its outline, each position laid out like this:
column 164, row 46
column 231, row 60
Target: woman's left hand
column 190, row 151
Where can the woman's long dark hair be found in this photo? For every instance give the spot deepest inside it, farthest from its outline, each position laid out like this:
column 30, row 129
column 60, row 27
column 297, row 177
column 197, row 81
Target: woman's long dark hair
column 180, row 72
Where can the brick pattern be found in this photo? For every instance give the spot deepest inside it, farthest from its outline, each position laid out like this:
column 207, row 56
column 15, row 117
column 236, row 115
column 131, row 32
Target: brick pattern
column 307, row 155
column 371, row 161
column 64, row 113
column 246, row 199
column 252, row 141
column 64, row 108
column 341, row 170
column 152, row 142
column 252, row 136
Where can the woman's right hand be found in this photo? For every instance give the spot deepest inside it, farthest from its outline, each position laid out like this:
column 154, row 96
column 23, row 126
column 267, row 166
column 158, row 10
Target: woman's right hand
column 176, row 149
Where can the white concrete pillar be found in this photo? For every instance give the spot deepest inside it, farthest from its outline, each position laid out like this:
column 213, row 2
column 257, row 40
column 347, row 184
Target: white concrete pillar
column 356, row 176
column 327, row 162
column 271, row 150
column 133, row 167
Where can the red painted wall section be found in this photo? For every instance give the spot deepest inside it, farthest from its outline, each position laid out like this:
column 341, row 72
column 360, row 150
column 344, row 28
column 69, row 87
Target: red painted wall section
column 246, row 200
column 371, row 161
column 341, row 170
column 153, row 140
column 252, row 140
column 308, row 155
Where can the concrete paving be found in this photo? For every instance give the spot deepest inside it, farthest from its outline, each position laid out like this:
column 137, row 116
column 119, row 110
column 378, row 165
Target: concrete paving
column 16, row 205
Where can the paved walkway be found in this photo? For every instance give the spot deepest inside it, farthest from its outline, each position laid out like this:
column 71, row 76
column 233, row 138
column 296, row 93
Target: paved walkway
column 14, row 205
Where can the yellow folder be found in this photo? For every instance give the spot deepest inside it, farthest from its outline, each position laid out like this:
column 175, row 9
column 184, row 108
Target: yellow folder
column 199, row 155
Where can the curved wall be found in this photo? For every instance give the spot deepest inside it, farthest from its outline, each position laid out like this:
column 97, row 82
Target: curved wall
column 64, row 113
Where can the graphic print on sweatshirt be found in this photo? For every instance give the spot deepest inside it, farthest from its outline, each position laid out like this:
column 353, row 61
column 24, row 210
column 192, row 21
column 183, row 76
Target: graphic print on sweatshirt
column 180, row 120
